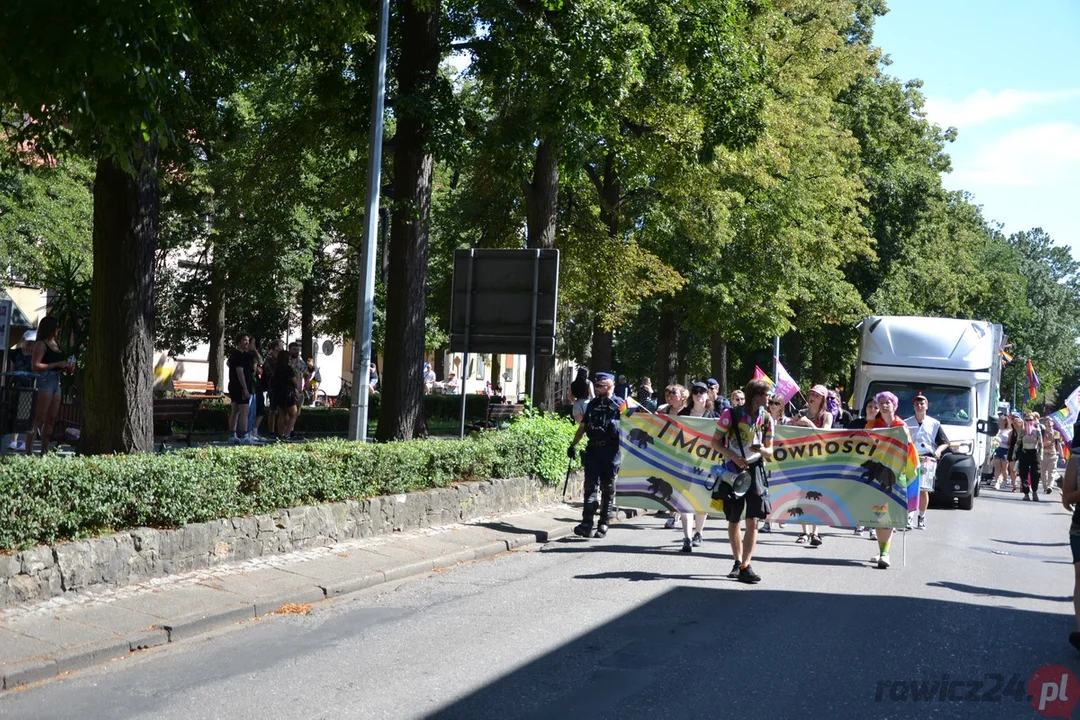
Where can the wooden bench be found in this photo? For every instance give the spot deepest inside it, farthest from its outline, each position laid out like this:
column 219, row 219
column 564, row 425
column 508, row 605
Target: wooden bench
column 183, row 410
column 498, row 414
column 194, row 386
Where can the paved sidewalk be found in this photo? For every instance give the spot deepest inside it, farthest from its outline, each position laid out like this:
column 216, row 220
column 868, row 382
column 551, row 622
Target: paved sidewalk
column 67, row 633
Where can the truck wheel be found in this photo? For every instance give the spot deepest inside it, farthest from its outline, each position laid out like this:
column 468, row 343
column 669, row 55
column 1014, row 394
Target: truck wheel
column 966, row 503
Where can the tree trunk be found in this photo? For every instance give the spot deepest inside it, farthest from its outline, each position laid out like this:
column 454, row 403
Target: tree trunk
column 307, row 319
column 216, row 314
column 542, row 195
column 541, row 209
column 118, row 399
column 668, row 343
column 600, row 361
column 401, row 415
column 496, row 371
column 718, row 348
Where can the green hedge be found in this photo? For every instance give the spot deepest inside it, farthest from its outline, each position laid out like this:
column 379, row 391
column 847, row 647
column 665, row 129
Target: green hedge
column 43, row 500
column 214, row 417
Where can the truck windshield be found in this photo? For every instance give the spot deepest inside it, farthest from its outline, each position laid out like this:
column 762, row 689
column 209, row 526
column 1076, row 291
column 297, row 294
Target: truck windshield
column 950, row 405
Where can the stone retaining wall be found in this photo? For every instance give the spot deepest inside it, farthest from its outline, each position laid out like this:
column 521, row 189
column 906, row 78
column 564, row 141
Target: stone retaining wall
column 144, row 553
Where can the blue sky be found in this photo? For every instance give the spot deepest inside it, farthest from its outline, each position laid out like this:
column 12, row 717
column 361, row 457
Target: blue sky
column 1005, row 74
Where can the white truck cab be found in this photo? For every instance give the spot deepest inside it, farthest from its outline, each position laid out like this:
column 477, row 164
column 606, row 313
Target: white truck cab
column 955, row 364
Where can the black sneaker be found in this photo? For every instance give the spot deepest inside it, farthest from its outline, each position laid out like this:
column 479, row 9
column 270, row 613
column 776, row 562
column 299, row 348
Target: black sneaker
column 735, row 569
column 815, row 540
column 1027, row 497
column 747, row 575
column 601, row 531
column 696, row 542
column 583, row 530
column 686, row 546
column 1035, row 496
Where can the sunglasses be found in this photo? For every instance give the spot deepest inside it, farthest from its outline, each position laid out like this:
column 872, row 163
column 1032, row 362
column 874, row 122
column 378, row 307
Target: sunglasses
column 775, row 402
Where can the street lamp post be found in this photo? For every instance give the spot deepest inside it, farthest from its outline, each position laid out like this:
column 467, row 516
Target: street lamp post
column 365, row 297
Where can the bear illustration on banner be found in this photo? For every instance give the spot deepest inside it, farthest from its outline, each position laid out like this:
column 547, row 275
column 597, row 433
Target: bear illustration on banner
column 838, row 478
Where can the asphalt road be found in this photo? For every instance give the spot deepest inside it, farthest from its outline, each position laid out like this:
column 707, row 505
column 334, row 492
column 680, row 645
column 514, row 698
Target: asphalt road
column 628, row 627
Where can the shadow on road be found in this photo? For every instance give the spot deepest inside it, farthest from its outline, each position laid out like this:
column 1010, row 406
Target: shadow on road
column 738, row 651
column 1032, row 544
column 575, row 545
column 997, row 592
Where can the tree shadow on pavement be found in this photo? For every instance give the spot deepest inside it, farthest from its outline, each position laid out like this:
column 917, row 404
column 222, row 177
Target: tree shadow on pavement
column 1031, row 544
column 745, row 651
column 639, row 575
column 996, row 592
column 574, row 545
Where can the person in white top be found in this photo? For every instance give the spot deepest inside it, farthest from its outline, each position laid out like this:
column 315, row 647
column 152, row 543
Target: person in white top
column 930, row 442
column 1001, row 450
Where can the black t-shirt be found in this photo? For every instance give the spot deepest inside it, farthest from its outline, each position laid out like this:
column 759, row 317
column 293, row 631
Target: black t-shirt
column 245, row 361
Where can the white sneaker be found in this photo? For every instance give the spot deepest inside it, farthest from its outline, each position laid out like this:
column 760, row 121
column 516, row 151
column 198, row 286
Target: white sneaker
column 248, row 440
column 883, row 562
column 875, row 560
column 922, row 523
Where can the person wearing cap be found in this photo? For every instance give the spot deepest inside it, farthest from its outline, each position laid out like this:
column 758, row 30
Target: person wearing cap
column 742, row 433
column 814, row 415
column 622, row 388
column 20, row 363
column 930, row 442
column 720, row 402
column 602, row 455
column 700, row 406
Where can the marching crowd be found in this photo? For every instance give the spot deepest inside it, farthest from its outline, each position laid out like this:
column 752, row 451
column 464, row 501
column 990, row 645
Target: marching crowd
column 1025, row 451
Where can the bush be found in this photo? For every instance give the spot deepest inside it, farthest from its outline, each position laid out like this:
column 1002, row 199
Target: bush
column 43, row 500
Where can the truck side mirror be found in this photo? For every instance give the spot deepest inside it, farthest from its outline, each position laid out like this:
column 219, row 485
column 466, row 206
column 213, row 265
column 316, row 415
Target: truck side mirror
column 987, row 427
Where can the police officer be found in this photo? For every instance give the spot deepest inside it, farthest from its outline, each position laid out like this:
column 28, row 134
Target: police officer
column 602, row 456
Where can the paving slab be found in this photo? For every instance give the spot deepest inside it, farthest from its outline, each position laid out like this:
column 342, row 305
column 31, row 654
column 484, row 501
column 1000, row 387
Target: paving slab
column 16, row 646
column 260, row 583
column 166, row 603
column 111, row 616
column 62, row 632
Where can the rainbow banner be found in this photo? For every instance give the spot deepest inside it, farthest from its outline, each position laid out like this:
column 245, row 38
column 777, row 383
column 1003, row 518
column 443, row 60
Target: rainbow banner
column 836, row 478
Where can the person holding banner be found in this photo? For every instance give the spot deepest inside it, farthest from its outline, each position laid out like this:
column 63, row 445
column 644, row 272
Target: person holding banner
column 776, row 410
column 930, row 442
column 602, row 455
column 676, row 396
column 886, row 418
column 700, row 406
column 814, row 415
column 741, row 433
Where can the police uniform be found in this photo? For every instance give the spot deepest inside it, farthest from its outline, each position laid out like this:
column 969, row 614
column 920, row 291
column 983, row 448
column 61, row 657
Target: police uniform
column 602, row 459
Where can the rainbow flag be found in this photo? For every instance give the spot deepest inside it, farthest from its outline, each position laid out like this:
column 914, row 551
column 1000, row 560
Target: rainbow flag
column 759, row 374
column 838, row 478
column 1033, row 380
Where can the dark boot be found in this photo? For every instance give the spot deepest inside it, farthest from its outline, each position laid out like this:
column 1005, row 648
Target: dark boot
column 585, row 529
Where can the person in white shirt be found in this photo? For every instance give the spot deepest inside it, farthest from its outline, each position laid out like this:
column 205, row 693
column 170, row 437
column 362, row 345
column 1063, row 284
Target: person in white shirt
column 930, row 442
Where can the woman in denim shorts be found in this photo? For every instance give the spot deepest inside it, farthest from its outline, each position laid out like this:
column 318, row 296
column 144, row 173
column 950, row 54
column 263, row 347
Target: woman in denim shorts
column 48, row 362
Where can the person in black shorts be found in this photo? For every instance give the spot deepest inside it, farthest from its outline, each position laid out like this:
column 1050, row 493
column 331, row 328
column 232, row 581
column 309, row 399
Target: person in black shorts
column 743, row 432
column 241, row 385
column 286, row 394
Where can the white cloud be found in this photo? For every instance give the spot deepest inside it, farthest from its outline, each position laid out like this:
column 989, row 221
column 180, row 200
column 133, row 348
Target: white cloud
column 1036, row 155
column 984, row 105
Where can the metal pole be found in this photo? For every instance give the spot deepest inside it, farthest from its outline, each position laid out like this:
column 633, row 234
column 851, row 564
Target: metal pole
column 465, row 349
column 776, row 359
column 365, row 297
column 532, row 338
column 1014, row 394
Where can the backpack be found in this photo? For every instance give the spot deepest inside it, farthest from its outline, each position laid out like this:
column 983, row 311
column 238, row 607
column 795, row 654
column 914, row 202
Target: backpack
column 602, row 419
